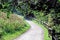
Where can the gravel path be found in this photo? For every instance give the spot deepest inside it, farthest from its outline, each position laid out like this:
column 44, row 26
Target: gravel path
column 34, row 33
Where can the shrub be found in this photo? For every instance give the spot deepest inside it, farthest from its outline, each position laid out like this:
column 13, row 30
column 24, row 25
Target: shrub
column 14, row 23
column 1, row 32
column 57, row 28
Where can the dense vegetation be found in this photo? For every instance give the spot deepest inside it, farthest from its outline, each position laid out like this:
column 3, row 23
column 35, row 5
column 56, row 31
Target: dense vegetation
column 47, row 11
column 11, row 25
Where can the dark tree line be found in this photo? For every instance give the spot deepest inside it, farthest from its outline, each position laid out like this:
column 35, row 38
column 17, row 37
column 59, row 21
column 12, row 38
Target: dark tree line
column 49, row 3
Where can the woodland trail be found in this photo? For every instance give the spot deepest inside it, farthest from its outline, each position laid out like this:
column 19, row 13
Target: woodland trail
column 34, row 33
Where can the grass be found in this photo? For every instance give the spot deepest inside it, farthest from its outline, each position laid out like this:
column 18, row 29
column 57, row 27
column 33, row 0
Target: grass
column 15, row 35
column 12, row 27
column 45, row 30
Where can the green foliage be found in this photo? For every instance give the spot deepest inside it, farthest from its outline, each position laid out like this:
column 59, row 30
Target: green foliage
column 9, row 26
column 8, row 14
column 43, row 11
column 50, row 21
column 57, row 28
column 12, row 24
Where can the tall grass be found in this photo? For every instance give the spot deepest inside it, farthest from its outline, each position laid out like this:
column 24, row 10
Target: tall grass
column 11, row 25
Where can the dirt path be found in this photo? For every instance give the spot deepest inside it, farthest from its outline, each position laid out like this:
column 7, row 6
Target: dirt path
column 34, row 33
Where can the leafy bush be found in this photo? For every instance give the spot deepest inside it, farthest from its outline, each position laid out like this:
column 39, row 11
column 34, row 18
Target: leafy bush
column 1, row 32
column 11, row 25
column 57, row 28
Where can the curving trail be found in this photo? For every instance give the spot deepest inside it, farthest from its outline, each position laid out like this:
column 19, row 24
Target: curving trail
column 34, row 33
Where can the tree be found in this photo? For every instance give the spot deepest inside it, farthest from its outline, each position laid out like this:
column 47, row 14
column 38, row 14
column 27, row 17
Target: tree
column 4, row 1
